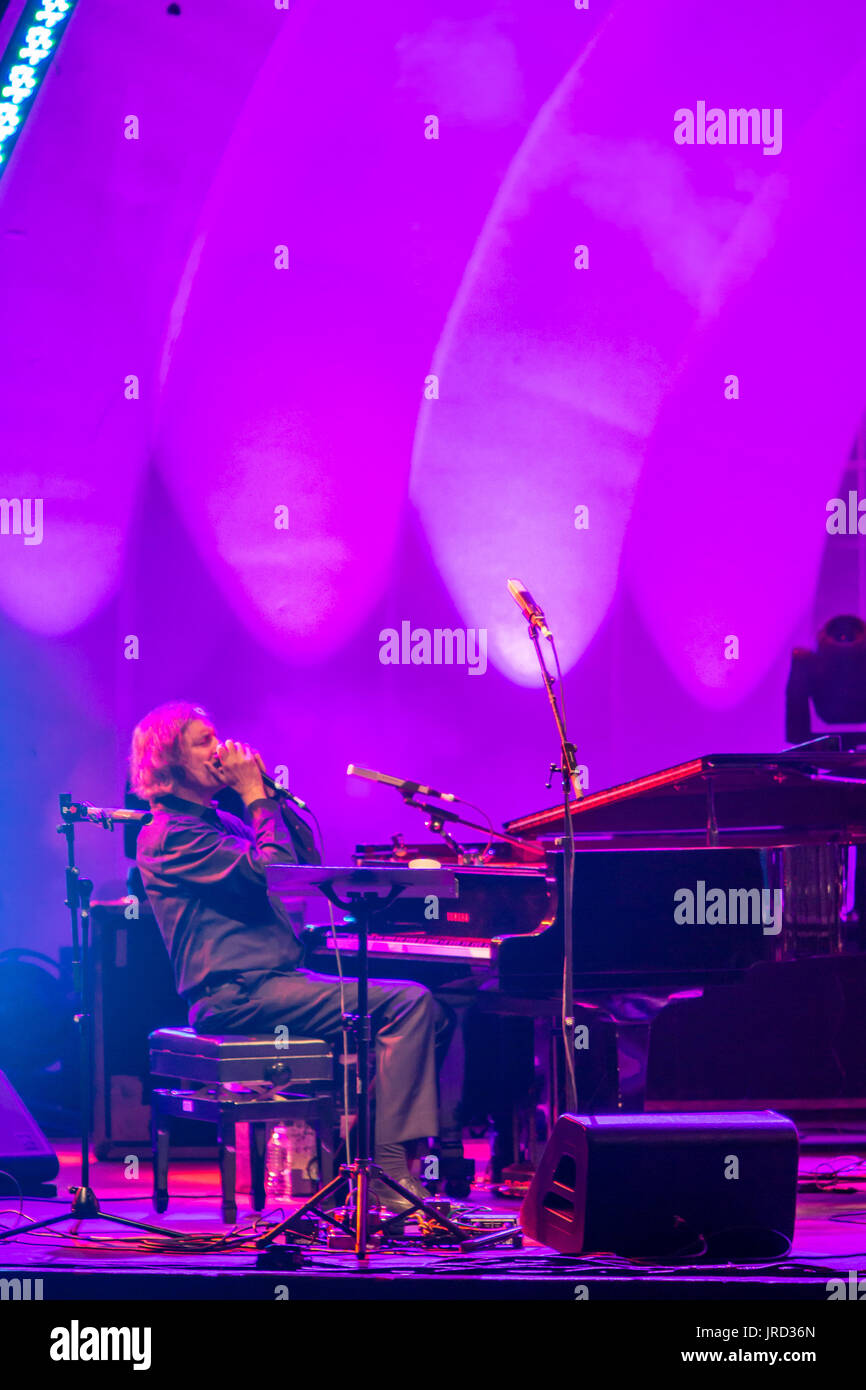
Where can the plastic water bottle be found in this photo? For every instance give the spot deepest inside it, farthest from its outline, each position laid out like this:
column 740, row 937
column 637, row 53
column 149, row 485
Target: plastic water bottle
column 277, row 1164
column 291, row 1168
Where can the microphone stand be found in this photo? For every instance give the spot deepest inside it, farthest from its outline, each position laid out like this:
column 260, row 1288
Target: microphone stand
column 85, row 1205
column 568, row 769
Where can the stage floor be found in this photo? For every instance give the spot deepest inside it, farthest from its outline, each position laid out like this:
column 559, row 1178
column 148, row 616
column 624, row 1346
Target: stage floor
column 829, row 1243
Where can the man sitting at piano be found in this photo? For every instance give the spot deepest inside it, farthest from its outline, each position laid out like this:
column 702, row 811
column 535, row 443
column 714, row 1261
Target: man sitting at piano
column 236, row 958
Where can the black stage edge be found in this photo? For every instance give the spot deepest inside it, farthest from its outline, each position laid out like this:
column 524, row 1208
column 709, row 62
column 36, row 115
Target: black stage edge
column 486, row 1275
column 184, row 1337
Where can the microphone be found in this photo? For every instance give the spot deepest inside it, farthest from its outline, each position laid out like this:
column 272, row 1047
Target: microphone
column 281, row 793
column 404, row 788
column 531, row 610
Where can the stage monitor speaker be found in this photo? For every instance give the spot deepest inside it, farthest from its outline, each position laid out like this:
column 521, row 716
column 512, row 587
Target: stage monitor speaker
column 720, row 1185
column 26, row 1157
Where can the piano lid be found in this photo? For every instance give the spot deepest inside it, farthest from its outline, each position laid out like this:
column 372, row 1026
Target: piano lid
column 799, row 796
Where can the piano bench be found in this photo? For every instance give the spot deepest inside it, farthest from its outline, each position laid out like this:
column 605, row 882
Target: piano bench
column 240, row 1079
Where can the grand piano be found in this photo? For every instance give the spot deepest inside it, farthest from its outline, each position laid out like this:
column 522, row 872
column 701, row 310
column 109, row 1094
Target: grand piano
column 760, row 831
column 685, row 880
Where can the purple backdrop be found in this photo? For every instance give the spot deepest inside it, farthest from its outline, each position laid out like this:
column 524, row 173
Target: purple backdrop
column 371, row 308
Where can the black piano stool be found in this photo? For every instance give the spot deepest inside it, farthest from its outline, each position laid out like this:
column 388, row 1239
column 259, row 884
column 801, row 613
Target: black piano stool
column 252, row 1079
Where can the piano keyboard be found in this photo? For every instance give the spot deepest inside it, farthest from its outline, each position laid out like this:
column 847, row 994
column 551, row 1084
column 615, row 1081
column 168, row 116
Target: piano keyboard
column 420, row 946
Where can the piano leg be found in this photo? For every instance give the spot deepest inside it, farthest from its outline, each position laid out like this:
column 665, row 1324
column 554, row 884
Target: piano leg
column 611, row 1046
column 455, row 1172
column 632, row 1050
column 451, row 1066
column 547, row 1062
column 626, row 1020
column 500, row 1073
column 595, row 1057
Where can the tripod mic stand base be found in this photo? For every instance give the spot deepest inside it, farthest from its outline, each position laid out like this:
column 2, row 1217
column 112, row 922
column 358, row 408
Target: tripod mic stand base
column 84, row 1203
column 355, row 1178
column 85, row 1207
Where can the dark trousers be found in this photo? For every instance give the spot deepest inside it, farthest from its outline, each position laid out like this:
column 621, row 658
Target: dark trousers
column 412, row 1034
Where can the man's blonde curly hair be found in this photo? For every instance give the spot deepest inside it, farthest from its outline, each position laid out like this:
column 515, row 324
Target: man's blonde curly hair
column 157, row 749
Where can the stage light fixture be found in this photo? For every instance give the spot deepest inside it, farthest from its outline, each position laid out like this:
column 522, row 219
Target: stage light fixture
column 24, row 64
column 830, row 680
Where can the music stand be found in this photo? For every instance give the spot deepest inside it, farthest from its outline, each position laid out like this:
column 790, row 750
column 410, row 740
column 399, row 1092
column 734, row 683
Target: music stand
column 368, row 893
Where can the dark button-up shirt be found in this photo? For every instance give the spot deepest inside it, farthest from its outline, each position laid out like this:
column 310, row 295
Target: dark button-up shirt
column 204, row 874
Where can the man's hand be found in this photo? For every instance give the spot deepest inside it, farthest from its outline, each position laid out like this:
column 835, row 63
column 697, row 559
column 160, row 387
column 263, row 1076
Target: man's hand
column 241, row 767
